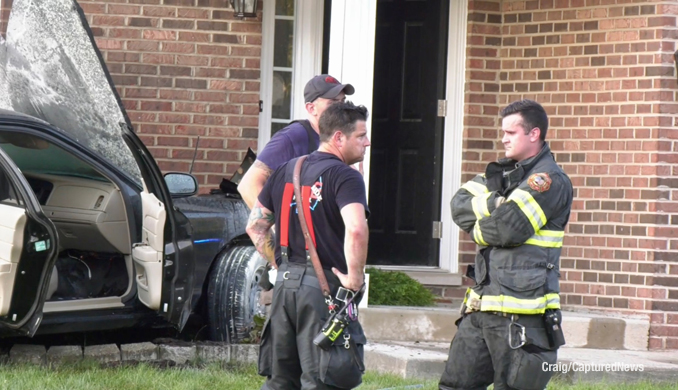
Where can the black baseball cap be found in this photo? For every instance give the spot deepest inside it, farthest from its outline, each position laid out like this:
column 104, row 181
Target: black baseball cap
column 325, row 86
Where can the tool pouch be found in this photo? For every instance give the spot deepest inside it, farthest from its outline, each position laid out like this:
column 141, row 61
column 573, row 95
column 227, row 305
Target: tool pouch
column 529, row 366
column 342, row 365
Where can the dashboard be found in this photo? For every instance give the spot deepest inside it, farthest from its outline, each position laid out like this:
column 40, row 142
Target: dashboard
column 89, row 214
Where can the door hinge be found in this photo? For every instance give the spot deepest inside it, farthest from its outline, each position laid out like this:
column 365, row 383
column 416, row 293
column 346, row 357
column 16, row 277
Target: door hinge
column 437, row 229
column 442, row 107
column 261, row 106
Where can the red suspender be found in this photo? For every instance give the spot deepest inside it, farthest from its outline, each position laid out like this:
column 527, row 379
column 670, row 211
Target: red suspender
column 306, row 205
column 285, row 215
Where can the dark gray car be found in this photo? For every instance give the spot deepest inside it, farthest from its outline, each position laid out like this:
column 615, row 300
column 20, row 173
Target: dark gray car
column 92, row 236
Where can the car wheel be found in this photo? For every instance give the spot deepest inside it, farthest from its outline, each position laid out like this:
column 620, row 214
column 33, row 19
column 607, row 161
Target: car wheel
column 233, row 294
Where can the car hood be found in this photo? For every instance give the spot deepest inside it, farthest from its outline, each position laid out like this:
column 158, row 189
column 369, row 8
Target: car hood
column 51, row 68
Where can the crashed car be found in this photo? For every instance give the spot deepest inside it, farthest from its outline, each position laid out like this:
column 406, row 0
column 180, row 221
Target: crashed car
column 92, row 236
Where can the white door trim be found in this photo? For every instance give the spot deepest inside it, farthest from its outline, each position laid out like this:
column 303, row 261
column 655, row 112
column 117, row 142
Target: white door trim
column 352, row 40
column 454, row 131
column 266, row 86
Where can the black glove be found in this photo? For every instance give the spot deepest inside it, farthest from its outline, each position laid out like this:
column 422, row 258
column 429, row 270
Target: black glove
column 494, row 173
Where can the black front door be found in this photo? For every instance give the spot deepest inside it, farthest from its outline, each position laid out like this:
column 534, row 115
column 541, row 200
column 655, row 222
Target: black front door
column 407, row 133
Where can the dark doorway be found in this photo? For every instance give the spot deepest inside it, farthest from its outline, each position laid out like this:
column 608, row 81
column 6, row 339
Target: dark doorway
column 407, row 133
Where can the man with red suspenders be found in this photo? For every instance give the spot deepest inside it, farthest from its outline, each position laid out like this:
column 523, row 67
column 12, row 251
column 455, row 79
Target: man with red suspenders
column 334, row 205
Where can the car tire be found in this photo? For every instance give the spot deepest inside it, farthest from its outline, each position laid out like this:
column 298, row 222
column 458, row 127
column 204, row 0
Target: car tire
column 233, row 294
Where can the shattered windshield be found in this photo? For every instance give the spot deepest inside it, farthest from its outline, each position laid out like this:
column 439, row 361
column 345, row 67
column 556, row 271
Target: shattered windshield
column 50, row 69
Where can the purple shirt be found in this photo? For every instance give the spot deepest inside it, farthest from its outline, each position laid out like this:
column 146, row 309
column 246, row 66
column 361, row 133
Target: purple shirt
column 286, row 144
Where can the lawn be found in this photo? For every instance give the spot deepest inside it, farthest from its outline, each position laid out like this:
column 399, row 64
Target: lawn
column 87, row 375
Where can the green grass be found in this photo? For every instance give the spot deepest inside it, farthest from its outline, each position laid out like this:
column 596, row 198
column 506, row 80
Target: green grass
column 87, row 375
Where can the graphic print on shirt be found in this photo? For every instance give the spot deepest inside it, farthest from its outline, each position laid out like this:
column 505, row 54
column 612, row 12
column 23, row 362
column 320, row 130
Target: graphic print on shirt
column 315, row 198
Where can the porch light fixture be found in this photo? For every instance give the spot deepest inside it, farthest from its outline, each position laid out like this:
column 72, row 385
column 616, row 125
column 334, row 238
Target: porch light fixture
column 244, row 8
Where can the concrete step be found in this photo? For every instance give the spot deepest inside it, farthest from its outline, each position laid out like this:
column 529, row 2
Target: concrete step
column 426, row 360
column 436, row 324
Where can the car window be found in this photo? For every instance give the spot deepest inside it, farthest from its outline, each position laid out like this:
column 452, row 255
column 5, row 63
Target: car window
column 39, row 156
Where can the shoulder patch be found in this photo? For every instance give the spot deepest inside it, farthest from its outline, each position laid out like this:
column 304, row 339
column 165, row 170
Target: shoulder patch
column 540, row 182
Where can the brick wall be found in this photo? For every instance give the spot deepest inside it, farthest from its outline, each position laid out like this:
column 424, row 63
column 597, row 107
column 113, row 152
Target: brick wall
column 184, row 68
column 605, row 75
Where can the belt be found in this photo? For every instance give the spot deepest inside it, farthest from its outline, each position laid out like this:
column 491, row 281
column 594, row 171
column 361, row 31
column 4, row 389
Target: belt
column 307, row 280
column 528, row 320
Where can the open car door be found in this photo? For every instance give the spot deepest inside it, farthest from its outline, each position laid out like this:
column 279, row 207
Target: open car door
column 164, row 260
column 28, row 242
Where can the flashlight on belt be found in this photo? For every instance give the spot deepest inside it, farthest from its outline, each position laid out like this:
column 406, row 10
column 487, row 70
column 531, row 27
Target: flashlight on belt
column 331, row 330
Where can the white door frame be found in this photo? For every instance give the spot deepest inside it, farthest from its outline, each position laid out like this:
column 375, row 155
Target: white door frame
column 352, row 30
column 454, row 131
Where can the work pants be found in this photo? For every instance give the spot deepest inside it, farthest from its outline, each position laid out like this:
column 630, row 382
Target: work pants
column 480, row 354
column 288, row 356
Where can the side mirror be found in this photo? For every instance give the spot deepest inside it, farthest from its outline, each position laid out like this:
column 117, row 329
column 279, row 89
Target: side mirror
column 181, row 184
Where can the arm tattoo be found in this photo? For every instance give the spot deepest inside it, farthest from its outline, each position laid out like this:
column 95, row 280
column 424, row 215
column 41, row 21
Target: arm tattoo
column 267, row 171
column 259, row 228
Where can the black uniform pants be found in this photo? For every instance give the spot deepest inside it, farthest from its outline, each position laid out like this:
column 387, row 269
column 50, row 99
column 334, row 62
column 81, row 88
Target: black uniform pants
column 287, row 354
column 480, row 354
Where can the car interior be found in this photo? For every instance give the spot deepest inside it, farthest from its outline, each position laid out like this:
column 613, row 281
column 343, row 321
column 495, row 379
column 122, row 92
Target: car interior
column 98, row 265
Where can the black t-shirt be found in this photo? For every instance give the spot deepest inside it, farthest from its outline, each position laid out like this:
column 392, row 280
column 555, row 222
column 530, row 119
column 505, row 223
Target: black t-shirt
column 337, row 186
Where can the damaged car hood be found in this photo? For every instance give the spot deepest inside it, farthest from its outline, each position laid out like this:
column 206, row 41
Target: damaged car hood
column 50, row 68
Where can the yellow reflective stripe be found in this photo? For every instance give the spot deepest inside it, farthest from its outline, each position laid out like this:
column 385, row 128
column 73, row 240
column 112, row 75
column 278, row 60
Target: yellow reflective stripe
column 478, row 235
column 479, row 204
column 475, row 188
column 470, row 294
column 508, row 304
column 529, row 207
column 547, row 239
column 552, row 301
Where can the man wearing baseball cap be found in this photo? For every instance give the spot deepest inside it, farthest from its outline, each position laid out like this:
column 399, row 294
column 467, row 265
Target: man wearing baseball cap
column 297, row 139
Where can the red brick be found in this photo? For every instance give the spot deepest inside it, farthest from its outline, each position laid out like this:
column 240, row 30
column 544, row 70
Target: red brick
column 165, row 12
column 156, row 58
column 109, row 44
column 173, row 141
column 160, row 35
column 225, row 132
column 187, row 154
column 192, row 60
column 143, row 46
column 106, row 20
column 194, row 130
column 172, row 47
column 193, row 36
column 193, row 13
column 240, row 144
column 156, row 106
column 174, row 166
column 124, row 9
column 176, row 95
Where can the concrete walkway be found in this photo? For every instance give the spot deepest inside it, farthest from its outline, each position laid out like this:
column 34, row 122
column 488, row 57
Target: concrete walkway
column 414, row 342
column 393, row 323
column 427, row 360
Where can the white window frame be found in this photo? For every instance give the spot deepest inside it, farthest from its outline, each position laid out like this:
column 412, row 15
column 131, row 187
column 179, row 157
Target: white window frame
column 306, row 62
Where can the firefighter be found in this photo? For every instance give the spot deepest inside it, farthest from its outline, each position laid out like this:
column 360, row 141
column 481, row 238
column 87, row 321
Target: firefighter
column 335, row 205
column 516, row 213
